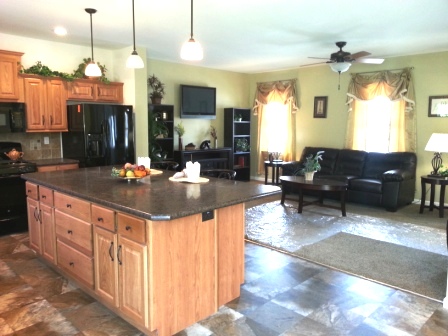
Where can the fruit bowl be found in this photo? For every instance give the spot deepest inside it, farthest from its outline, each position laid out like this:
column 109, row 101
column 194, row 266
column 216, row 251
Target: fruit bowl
column 133, row 172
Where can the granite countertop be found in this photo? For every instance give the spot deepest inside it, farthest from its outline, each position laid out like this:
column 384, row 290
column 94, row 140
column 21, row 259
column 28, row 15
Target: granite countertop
column 53, row 162
column 153, row 197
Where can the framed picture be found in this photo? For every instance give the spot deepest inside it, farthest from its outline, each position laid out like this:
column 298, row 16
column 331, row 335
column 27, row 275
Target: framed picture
column 320, row 107
column 438, row 106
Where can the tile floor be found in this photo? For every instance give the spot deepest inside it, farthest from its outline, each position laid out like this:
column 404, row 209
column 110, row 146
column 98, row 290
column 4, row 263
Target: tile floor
column 282, row 295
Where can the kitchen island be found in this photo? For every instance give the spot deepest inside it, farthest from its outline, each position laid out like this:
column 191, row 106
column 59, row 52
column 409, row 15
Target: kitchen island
column 161, row 254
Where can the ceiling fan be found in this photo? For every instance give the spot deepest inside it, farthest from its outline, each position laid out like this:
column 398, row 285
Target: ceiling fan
column 341, row 60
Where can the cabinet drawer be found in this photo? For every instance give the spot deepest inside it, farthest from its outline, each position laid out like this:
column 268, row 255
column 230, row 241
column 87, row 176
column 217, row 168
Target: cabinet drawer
column 46, row 196
column 74, row 230
column 72, row 205
column 131, row 227
column 76, row 263
column 31, row 191
column 103, row 217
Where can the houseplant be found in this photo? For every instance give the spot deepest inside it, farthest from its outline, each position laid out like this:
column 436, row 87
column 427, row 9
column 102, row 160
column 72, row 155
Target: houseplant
column 158, row 89
column 157, row 129
column 242, row 145
column 180, row 130
column 311, row 165
column 214, row 135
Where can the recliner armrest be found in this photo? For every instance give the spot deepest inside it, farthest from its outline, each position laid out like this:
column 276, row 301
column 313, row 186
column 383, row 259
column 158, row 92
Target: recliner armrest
column 396, row 175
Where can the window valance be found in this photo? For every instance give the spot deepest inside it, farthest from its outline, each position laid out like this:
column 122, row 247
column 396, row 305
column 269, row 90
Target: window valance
column 283, row 92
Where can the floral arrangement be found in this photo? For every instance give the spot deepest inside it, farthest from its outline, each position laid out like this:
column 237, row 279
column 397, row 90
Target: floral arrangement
column 180, row 130
column 312, row 163
column 213, row 132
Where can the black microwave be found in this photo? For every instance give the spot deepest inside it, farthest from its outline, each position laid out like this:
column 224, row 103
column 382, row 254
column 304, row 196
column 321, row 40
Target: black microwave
column 12, row 117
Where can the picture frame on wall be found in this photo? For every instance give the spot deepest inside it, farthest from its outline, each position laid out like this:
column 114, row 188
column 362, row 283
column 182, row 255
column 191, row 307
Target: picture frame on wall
column 438, row 106
column 320, row 107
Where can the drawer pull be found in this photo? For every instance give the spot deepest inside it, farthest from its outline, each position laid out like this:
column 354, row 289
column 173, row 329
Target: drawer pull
column 44, row 197
column 70, row 232
column 69, row 205
column 36, row 214
column 72, row 263
column 110, row 251
column 100, row 219
column 128, row 228
column 29, row 191
column 118, row 255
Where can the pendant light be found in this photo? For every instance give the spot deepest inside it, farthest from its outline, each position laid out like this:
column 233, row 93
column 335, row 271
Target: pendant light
column 191, row 50
column 92, row 69
column 134, row 61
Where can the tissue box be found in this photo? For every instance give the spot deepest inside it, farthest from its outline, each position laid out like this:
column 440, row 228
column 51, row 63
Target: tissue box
column 145, row 161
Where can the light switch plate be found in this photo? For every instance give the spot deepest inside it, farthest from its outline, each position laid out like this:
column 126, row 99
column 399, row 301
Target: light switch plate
column 46, row 140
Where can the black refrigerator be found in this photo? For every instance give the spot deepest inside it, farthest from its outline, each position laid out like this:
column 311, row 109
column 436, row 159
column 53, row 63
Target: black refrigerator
column 99, row 135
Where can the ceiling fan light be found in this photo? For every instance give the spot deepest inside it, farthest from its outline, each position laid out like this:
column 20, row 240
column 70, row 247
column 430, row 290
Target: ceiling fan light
column 134, row 61
column 340, row 66
column 92, row 70
column 192, row 51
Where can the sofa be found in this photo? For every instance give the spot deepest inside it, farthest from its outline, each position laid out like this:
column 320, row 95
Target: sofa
column 379, row 179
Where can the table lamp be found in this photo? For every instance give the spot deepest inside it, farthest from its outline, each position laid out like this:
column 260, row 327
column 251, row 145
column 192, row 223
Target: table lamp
column 438, row 143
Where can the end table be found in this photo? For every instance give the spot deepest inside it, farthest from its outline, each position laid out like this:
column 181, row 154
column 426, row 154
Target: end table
column 433, row 181
column 275, row 164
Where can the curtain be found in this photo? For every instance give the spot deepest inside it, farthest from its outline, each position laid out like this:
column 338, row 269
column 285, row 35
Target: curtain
column 281, row 92
column 398, row 88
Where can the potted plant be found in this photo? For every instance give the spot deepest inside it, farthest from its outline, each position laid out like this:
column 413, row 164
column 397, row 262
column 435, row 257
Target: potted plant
column 238, row 117
column 242, row 145
column 180, row 130
column 158, row 129
column 158, row 89
column 311, row 165
column 214, row 135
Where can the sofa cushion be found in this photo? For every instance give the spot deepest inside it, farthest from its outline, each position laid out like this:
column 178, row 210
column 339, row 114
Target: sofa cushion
column 366, row 185
column 378, row 163
column 350, row 162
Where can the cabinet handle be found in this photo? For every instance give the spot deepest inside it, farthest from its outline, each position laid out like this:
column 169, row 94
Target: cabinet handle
column 100, row 219
column 44, row 197
column 118, row 255
column 36, row 214
column 43, row 120
column 110, row 251
column 28, row 191
column 128, row 228
column 72, row 263
column 69, row 205
column 51, row 120
column 70, row 232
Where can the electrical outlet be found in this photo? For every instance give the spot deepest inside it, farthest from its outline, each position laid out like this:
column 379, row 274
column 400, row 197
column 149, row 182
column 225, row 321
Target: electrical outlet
column 46, row 140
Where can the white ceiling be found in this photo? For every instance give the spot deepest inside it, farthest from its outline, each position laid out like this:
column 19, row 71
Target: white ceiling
column 247, row 36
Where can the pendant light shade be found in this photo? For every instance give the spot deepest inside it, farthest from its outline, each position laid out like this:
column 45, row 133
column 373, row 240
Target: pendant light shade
column 92, row 69
column 134, row 61
column 340, row 66
column 191, row 50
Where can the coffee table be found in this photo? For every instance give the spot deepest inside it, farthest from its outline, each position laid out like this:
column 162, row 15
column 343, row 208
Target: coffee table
column 299, row 184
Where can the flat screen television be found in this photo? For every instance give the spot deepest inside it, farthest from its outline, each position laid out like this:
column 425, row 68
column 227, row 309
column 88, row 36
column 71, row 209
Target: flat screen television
column 197, row 102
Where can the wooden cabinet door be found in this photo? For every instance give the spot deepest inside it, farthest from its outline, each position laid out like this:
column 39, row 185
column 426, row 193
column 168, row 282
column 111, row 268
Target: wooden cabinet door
column 56, row 105
column 9, row 81
column 34, row 225
column 48, row 232
column 105, row 265
column 112, row 92
column 81, row 90
column 133, row 276
column 35, row 103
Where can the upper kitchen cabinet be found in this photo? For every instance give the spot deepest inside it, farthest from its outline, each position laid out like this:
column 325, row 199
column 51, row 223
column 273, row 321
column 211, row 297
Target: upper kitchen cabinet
column 9, row 82
column 95, row 91
column 45, row 101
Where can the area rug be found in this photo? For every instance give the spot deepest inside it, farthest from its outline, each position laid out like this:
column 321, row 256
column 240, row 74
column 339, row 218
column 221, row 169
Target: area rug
column 410, row 255
column 405, row 268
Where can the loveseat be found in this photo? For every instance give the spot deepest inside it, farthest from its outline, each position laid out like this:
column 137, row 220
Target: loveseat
column 379, row 179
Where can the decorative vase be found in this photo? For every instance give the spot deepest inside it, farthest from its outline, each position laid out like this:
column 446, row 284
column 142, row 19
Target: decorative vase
column 216, row 143
column 309, row 176
column 181, row 146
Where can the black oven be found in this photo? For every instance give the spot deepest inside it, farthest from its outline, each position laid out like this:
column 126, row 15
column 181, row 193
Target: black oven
column 12, row 117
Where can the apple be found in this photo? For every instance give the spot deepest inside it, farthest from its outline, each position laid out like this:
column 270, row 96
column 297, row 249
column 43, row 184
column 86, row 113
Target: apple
column 127, row 165
column 141, row 167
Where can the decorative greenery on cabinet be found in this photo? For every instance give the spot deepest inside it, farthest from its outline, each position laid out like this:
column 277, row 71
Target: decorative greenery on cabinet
column 160, row 132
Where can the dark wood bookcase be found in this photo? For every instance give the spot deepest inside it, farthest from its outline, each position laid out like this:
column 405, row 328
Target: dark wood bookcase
column 164, row 114
column 237, row 136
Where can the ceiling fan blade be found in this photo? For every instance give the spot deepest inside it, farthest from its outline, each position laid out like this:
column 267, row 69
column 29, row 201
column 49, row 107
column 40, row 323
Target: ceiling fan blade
column 359, row 54
column 370, row 60
column 304, row 65
column 319, row 57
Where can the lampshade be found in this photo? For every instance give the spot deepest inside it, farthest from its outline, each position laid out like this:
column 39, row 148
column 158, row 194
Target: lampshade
column 340, row 66
column 134, row 61
column 191, row 50
column 92, row 69
column 438, row 143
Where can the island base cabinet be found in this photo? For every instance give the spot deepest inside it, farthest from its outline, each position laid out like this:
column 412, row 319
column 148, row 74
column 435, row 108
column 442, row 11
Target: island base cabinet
column 75, row 263
column 34, row 226
column 48, row 233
